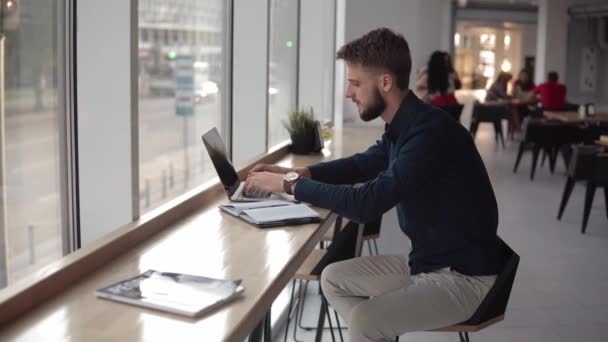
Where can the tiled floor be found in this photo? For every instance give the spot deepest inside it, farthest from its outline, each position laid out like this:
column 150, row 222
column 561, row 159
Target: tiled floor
column 561, row 289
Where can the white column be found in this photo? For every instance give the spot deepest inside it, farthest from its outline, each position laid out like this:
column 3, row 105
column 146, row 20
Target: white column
column 339, row 74
column 249, row 79
column 317, row 57
column 105, row 113
column 551, row 40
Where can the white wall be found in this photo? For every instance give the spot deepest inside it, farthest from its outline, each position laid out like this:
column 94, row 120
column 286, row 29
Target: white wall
column 249, row 79
column 552, row 36
column 528, row 40
column 104, row 115
column 317, row 56
column 425, row 24
column 583, row 33
column 522, row 17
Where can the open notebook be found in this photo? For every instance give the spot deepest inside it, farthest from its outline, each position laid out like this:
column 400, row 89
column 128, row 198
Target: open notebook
column 272, row 213
column 182, row 294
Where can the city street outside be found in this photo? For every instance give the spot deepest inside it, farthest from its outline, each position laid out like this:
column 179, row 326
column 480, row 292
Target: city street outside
column 33, row 175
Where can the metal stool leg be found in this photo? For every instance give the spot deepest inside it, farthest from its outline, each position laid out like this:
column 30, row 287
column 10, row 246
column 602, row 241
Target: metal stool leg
column 464, row 337
column 293, row 290
column 267, row 328
column 339, row 327
column 302, row 305
column 331, row 327
column 295, row 324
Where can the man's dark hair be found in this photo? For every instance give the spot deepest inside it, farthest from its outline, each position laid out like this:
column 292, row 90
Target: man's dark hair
column 552, row 76
column 381, row 48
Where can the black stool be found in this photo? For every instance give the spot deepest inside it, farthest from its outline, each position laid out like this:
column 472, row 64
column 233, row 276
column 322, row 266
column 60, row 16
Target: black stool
column 492, row 309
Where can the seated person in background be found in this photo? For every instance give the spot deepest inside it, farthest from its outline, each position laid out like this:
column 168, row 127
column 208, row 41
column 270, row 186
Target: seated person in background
column 437, row 82
column 523, row 85
column 522, row 88
column 498, row 90
column 426, row 164
column 552, row 94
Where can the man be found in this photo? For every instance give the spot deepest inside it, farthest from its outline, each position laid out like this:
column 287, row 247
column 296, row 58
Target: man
column 552, row 94
column 427, row 165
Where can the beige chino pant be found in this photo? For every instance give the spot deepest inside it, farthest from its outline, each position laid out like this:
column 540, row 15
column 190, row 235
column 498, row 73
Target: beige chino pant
column 380, row 299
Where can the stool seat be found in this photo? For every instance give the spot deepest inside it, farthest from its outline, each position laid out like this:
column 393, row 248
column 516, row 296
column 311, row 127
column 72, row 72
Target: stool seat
column 471, row 328
column 305, row 272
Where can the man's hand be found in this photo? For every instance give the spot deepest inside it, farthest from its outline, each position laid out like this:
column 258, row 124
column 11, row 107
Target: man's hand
column 302, row 171
column 264, row 180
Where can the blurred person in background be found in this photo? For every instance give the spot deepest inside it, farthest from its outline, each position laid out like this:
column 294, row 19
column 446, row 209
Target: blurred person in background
column 437, row 81
column 521, row 91
column 498, row 90
column 552, row 94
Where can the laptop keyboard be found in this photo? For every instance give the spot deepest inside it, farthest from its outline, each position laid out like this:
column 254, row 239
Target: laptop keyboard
column 257, row 193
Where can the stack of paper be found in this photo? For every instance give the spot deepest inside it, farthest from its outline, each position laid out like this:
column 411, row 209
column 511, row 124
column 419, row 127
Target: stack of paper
column 272, row 213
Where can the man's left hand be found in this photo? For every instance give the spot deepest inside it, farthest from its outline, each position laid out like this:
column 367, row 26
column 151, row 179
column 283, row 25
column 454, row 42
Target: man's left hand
column 267, row 181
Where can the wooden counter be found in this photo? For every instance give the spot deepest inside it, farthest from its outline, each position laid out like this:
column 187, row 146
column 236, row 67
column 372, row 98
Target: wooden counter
column 204, row 242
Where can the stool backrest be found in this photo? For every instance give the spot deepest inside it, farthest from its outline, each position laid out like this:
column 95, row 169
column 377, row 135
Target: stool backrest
column 600, row 172
column 489, row 112
column 455, row 110
column 342, row 247
column 495, row 302
column 371, row 228
column 582, row 161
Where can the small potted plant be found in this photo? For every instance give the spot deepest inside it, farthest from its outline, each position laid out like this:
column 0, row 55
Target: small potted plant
column 301, row 127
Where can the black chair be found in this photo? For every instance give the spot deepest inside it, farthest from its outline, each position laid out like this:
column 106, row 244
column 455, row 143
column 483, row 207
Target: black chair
column 343, row 246
column 455, row 110
column 549, row 137
column 587, row 164
column 491, row 113
column 371, row 234
column 492, row 309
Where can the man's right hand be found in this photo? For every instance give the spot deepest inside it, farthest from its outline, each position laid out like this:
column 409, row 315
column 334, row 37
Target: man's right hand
column 302, row 171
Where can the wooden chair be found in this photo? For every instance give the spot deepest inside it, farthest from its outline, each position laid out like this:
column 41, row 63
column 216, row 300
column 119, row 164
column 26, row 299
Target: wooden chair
column 492, row 309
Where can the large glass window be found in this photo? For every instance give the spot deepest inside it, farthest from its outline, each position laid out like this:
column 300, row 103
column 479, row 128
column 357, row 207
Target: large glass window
column 182, row 49
column 282, row 68
column 31, row 221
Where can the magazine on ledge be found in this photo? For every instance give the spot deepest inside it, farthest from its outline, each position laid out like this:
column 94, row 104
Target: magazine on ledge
column 272, row 213
column 182, row 294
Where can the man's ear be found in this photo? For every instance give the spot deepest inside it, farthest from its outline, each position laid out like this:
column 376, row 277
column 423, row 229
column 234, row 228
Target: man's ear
column 386, row 82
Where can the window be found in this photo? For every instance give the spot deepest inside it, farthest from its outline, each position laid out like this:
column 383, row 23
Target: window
column 172, row 157
column 32, row 220
column 282, row 68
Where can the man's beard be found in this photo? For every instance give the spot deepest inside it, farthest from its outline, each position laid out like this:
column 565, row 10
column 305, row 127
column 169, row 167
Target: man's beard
column 375, row 109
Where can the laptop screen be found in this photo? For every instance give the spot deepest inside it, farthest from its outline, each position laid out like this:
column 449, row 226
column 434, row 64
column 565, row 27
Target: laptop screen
column 215, row 146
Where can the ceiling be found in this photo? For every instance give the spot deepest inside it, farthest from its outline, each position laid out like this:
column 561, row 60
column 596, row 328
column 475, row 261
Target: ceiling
column 512, row 5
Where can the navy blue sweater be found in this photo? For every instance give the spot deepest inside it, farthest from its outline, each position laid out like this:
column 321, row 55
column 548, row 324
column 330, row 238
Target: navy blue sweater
column 427, row 165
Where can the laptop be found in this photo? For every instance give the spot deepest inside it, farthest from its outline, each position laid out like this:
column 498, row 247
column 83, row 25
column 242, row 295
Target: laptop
column 230, row 179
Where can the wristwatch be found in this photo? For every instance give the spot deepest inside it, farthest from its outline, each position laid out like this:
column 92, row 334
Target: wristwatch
column 288, row 180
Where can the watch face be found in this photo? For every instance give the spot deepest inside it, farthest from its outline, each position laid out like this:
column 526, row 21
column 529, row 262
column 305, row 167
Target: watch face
column 291, row 176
